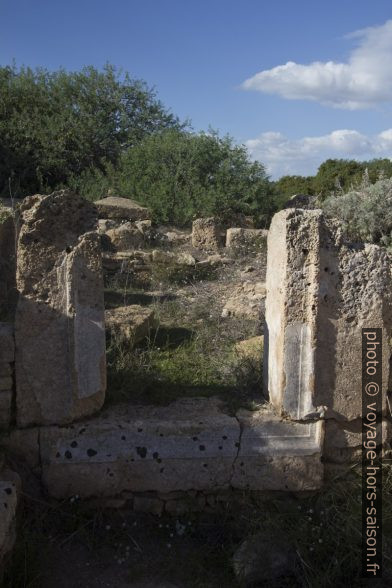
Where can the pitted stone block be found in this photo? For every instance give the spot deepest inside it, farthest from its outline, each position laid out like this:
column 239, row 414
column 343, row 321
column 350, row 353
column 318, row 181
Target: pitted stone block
column 321, row 291
column 59, row 329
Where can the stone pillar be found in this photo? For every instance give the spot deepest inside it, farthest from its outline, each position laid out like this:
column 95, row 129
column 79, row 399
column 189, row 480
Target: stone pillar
column 59, row 327
column 321, row 291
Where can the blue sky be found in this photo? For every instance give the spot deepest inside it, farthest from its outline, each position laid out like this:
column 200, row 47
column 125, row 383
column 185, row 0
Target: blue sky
column 288, row 79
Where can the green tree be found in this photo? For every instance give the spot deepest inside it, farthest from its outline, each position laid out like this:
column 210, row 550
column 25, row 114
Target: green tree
column 336, row 175
column 181, row 175
column 287, row 186
column 54, row 125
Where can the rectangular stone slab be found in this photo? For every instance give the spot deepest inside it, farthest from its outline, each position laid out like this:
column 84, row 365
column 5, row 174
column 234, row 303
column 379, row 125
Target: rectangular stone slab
column 190, row 445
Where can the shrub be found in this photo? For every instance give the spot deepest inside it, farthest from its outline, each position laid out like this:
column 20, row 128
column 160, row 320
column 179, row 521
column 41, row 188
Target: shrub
column 366, row 212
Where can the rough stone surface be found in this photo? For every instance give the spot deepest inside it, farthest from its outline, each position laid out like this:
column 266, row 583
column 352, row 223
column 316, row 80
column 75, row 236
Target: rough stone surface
column 247, row 301
column 167, row 257
column 117, row 208
column 5, row 408
column 8, row 291
column 264, row 558
column 189, row 445
column 22, row 444
column 304, row 201
column 251, row 348
column 206, row 234
column 321, row 291
column 9, row 485
column 278, row 455
column 246, row 240
column 343, row 440
column 131, row 323
column 125, row 237
column 7, row 343
column 59, row 329
column 105, row 224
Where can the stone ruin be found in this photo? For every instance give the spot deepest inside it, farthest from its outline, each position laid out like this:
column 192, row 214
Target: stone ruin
column 320, row 291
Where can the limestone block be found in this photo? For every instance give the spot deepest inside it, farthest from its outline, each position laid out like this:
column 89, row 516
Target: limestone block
column 246, row 240
column 276, row 454
column 5, row 408
column 246, row 301
column 190, row 445
column 7, row 343
column 23, row 444
column 117, row 208
column 167, row 257
column 130, row 323
column 9, row 485
column 206, row 234
column 60, row 362
column 321, row 291
column 125, row 237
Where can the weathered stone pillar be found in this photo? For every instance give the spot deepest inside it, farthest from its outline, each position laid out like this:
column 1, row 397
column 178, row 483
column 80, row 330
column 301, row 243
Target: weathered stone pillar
column 59, row 328
column 321, row 291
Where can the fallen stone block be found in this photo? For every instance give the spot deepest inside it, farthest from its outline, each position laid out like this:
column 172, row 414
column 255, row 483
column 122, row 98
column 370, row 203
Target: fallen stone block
column 321, row 291
column 131, row 323
column 60, row 361
column 251, row 348
column 246, row 301
column 247, row 240
column 117, row 208
column 127, row 236
column 206, row 234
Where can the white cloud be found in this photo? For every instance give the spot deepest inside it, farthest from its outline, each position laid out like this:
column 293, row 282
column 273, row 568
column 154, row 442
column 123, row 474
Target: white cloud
column 364, row 81
column 283, row 156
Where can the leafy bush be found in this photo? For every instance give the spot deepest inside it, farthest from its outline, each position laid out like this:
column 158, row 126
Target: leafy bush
column 57, row 124
column 365, row 212
column 181, row 175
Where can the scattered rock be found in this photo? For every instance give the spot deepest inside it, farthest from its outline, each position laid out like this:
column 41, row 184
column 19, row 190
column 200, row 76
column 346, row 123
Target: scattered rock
column 304, row 201
column 251, row 348
column 125, row 237
column 105, row 224
column 246, row 240
column 118, row 209
column 131, row 323
column 247, row 301
column 167, row 257
column 263, row 558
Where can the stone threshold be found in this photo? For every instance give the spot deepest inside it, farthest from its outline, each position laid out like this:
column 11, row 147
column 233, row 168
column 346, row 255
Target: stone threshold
column 189, row 445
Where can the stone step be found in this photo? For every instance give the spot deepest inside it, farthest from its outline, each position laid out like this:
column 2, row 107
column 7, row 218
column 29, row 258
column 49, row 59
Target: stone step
column 189, row 445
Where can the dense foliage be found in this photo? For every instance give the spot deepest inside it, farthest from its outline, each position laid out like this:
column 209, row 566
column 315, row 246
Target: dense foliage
column 366, row 212
column 57, row 124
column 333, row 176
column 180, row 175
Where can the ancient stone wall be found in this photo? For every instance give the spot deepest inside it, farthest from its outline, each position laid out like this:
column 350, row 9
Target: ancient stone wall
column 321, row 291
column 59, row 325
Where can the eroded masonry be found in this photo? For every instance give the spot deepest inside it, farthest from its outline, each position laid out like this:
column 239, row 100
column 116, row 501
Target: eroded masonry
column 321, row 291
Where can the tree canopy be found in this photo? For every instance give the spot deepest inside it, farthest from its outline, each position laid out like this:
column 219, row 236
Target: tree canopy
column 180, row 175
column 57, row 124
